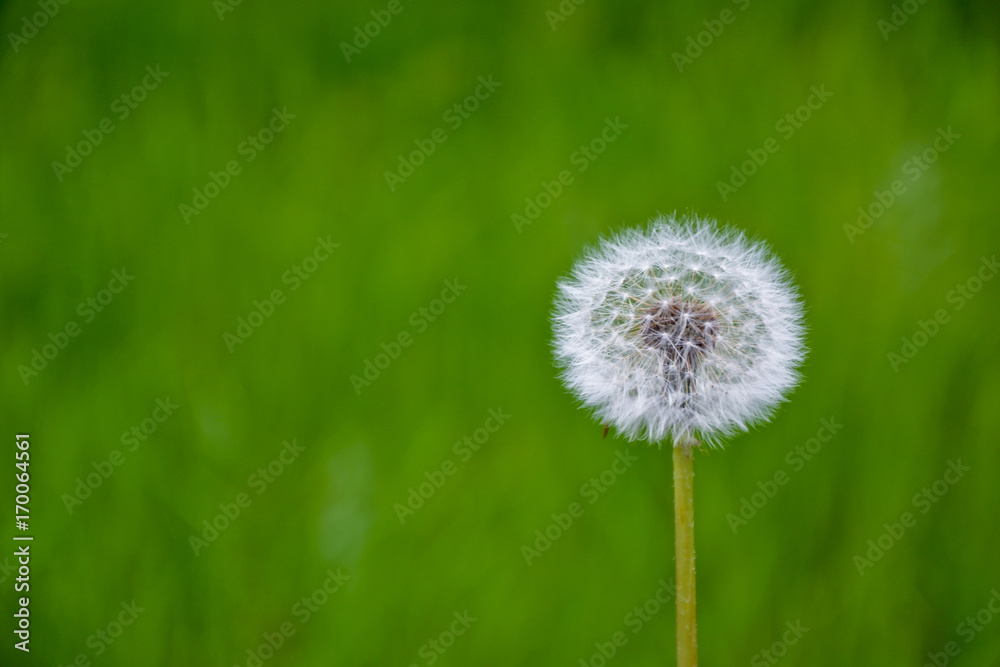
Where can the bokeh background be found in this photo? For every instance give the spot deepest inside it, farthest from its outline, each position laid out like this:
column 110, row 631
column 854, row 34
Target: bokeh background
column 365, row 447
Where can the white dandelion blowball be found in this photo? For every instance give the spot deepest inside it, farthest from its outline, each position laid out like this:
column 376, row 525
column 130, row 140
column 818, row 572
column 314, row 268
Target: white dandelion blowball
column 682, row 329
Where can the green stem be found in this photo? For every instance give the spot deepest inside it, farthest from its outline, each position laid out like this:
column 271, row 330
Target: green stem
column 687, row 626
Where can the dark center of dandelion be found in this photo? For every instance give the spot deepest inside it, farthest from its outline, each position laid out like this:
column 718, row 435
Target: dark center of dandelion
column 683, row 332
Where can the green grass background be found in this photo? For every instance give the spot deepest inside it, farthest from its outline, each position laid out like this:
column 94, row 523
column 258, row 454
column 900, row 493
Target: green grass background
column 324, row 175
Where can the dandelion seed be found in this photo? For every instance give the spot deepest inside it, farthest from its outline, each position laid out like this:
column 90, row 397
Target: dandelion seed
column 628, row 331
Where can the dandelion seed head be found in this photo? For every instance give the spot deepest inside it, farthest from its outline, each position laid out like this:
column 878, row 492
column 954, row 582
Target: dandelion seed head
column 679, row 329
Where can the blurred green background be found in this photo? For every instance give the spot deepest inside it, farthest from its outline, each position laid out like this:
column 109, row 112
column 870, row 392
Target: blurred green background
column 323, row 175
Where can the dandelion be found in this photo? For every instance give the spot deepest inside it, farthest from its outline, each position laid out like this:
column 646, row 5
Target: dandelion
column 682, row 330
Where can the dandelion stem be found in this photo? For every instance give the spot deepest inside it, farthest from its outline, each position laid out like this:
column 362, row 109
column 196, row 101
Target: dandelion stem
column 687, row 627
